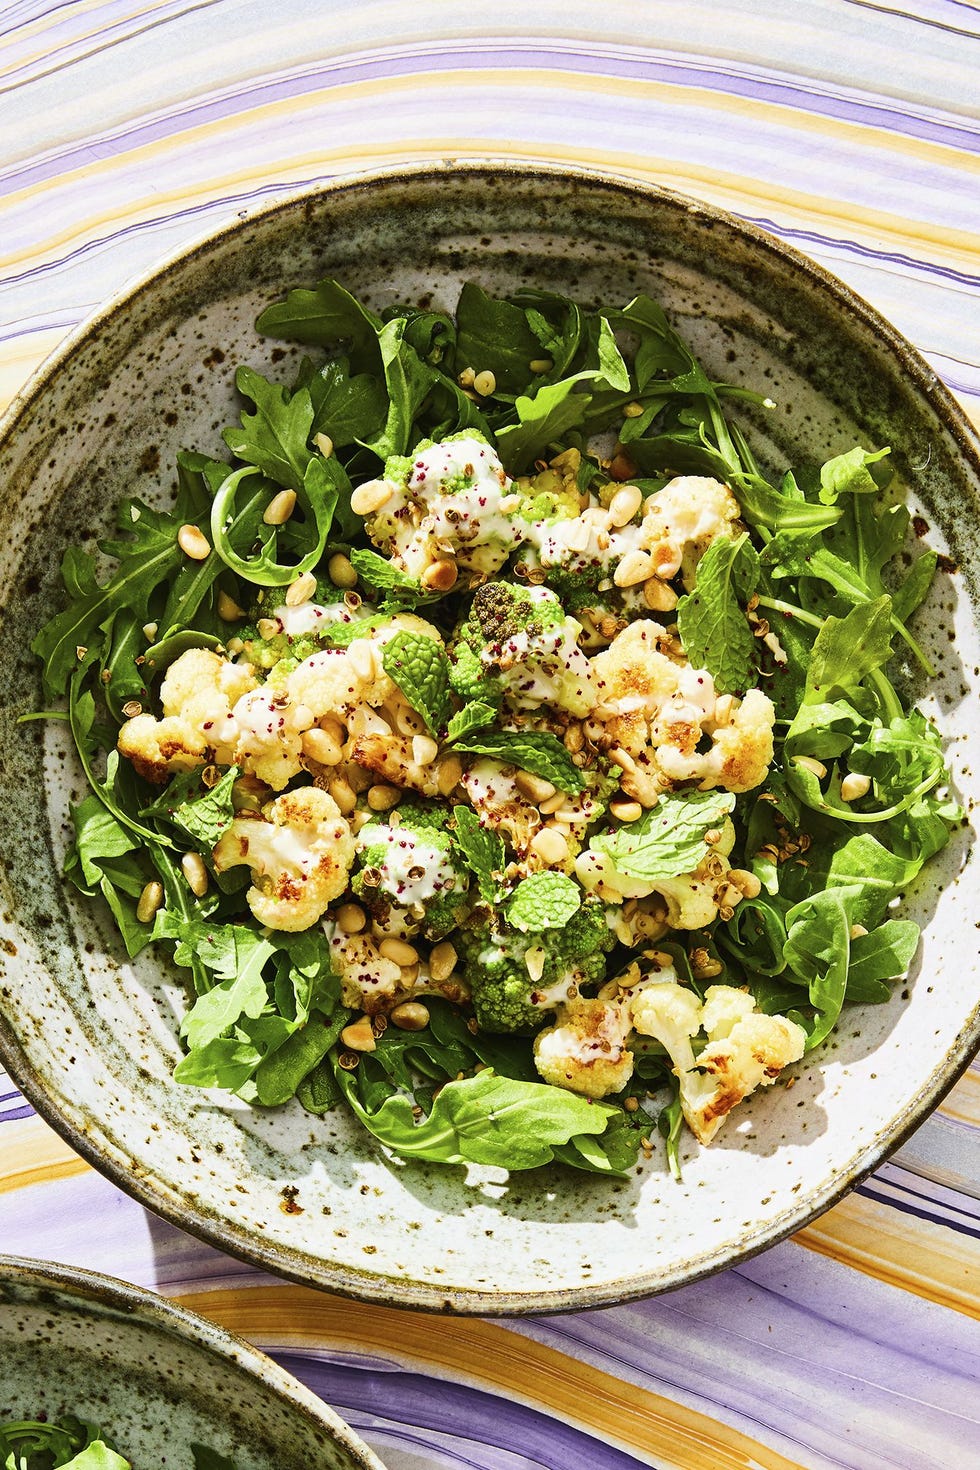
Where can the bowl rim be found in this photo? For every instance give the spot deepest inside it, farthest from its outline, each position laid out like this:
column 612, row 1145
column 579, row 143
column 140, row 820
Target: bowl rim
column 148, row 1308
column 345, row 1280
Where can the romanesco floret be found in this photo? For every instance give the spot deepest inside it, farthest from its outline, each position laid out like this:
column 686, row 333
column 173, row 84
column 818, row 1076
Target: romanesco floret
column 518, row 644
column 283, row 637
column 516, row 979
column 408, row 876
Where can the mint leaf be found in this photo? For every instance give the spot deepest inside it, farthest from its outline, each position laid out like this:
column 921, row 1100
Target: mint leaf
column 381, row 573
column 420, row 668
column 711, row 620
column 473, row 716
column 668, row 840
column 538, row 752
column 543, row 901
column 483, row 852
column 848, row 474
column 201, row 814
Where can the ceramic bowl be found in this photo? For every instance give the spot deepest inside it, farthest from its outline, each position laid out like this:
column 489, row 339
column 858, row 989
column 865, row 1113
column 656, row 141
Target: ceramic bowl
column 154, row 1378
column 92, row 1038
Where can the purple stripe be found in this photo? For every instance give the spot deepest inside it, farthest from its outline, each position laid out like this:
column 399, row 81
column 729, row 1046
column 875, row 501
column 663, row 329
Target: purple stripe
column 904, row 1208
column 16, row 1114
column 892, row 257
column 509, row 57
column 470, row 1414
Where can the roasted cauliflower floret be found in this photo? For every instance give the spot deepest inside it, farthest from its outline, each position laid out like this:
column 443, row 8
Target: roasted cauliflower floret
column 300, row 850
column 745, row 1048
column 338, row 681
column 198, row 694
column 586, row 1050
column 443, row 504
column 681, row 521
column 372, row 983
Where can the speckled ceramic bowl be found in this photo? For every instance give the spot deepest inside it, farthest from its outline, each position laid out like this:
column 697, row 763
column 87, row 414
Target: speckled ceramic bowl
column 154, row 1378
column 92, row 1038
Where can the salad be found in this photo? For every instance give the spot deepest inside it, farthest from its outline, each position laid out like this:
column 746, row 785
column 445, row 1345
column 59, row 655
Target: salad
column 497, row 748
column 30, row 1444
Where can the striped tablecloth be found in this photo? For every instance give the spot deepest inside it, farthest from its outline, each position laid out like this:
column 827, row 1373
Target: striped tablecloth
column 849, row 128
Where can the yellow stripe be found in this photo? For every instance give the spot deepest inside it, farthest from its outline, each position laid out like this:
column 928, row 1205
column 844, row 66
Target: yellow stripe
column 927, row 1260
column 33, row 1154
column 963, row 1103
column 20, row 357
column 491, row 1356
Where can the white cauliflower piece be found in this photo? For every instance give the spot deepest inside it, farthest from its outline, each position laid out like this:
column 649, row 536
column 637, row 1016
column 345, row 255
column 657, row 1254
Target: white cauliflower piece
column 494, row 795
column 745, row 1048
column 445, row 501
column 300, row 850
column 586, row 1050
column 681, row 521
column 197, row 695
column 339, row 681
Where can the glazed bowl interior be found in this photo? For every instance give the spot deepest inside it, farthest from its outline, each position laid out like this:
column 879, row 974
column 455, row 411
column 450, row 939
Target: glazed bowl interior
column 153, row 1378
column 92, row 1037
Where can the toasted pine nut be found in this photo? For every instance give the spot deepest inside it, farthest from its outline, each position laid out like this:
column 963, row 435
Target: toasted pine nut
column 807, row 763
column 854, row 785
column 466, row 378
column 301, row 590
column 343, row 794
column 624, row 505
column 322, row 748
column 411, row 1015
column 449, row 773
column 632, row 410
column 358, row 820
column 268, row 627
column 341, row 571
column 536, row 788
column 485, row 383
column 407, row 722
column 541, row 364
column 361, row 655
column 424, row 749
column 193, row 543
column 381, row 797
column 550, row 804
column 150, row 900
column 370, row 497
column 659, row 596
column 280, row 508
column 440, row 575
column 747, row 883
column 625, row 811
column 550, row 846
column 359, row 1036
column 351, row 918
column 149, row 633
column 858, row 931
column 442, row 961
column 228, row 609
column 195, row 872
column 398, row 952
column 324, row 443
column 635, row 566
column 707, row 969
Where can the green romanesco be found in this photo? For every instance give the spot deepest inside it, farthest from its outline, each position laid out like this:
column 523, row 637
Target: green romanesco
column 497, row 964
column 409, row 876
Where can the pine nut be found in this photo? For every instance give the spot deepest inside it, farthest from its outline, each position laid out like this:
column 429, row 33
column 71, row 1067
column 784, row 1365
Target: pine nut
column 195, row 872
column 321, row 747
column 466, row 378
column 400, row 953
column 535, row 788
column 228, row 609
column 747, row 883
column 150, row 900
column 193, row 543
column 268, row 628
column 854, row 785
column 449, row 773
column 370, row 497
column 424, row 750
column 440, row 575
column 361, row 656
column 624, row 505
column 485, row 383
column 632, row 410
column 707, row 969
column 625, row 811
column 301, row 590
column 534, row 962
column 359, row 1036
column 359, row 778
column 442, row 961
column 411, row 1015
column 635, row 566
column 343, row 794
column 550, row 846
column 351, row 918
column 149, row 633
column 550, row 805
column 858, row 931
column 659, row 596
column 724, row 709
column 341, row 572
column 381, row 797
column 541, row 364
column 807, row 763
column 407, row 722
column 358, row 820
column 280, row 508
column 324, row 443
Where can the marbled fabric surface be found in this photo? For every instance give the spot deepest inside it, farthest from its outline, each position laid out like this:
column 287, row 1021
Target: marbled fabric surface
column 851, row 129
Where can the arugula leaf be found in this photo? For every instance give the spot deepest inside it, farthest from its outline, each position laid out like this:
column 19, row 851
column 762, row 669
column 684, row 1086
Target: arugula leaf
column 484, row 1119
column 348, row 409
column 543, row 901
column 667, row 840
column 101, row 861
column 473, row 716
column 493, row 335
column 818, row 947
column 483, row 852
column 848, row 474
column 322, row 316
column 542, row 420
column 408, row 379
column 279, row 1075
column 878, row 957
column 318, row 493
column 538, row 752
column 711, row 620
column 847, row 649
column 420, row 668
column 276, row 437
column 236, row 955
